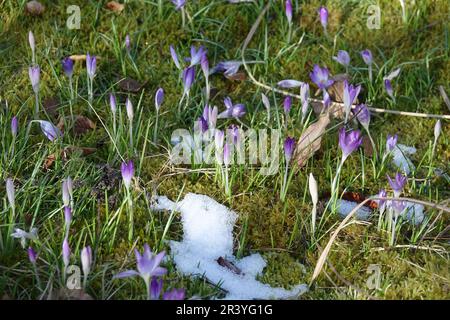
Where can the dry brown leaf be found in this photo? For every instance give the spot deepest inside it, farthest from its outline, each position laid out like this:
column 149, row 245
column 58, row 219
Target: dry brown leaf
column 49, row 161
column 310, row 140
column 115, row 6
column 335, row 110
column 84, row 151
column 239, row 76
column 34, row 8
column 80, row 124
column 130, row 85
column 337, row 88
column 51, row 106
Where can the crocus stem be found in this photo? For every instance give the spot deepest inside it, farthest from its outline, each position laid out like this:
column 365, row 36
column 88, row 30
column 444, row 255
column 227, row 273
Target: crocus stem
column 155, row 132
column 183, row 18
column 71, row 89
column 334, row 184
column 393, row 231
column 38, row 280
column 36, row 106
column 160, row 7
column 370, row 73
column 283, row 186
column 289, row 33
column 131, row 136
column 227, row 186
column 313, row 219
column 130, row 208
column 207, row 90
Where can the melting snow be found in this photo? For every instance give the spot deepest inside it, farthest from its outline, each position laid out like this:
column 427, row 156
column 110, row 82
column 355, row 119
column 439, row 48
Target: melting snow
column 400, row 158
column 208, row 235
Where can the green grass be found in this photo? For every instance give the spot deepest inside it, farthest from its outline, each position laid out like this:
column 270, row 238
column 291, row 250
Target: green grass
column 279, row 230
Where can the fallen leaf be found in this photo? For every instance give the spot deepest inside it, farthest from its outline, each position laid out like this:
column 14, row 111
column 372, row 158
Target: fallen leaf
column 130, row 85
column 80, row 124
column 367, row 146
column 229, row 265
column 34, row 8
column 51, row 106
column 49, row 161
column 238, row 76
column 335, row 110
column 115, row 6
column 310, row 140
column 84, row 151
column 337, row 88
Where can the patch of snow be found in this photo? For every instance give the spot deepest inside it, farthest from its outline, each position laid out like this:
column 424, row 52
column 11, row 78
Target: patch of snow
column 400, row 158
column 414, row 213
column 208, row 235
column 344, row 207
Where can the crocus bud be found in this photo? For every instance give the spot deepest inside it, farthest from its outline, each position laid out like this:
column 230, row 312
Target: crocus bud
column 437, row 130
column 323, row 15
column 219, row 137
column 35, row 73
column 326, row 99
column 188, row 78
column 66, row 252
column 382, row 203
column 67, row 65
column 127, row 170
column 388, row 88
column 49, row 130
column 32, row 255
column 288, row 10
column 91, row 65
column 155, row 288
column 391, row 142
column 287, row 104
column 112, row 103
column 65, row 193
column 14, row 126
column 265, row 101
column 127, row 42
column 159, row 97
column 129, row 108
column 67, row 215
column 227, row 154
column 304, row 98
column 289, row 147
column 204, row 63
column 174, row 55
column 367, row 56
column 31, row 41
column 86, row 260
column 343, row 58
column 10, row 192
column 313, row 189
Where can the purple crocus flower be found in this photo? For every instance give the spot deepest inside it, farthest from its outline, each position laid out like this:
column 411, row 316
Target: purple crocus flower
column 289, row 147
column 156, row 288
column 227, row 154
column 127, row 170
column 320, row 76
column 229, row 68
column 197, row 55
column 66, row 252
column 174, row 55
column 289, row 83
column 204, row 63
column 188, row 78
column 49, row 130
column 32, row 42
column 159, row 97
column 203, row 124
column 112, row 103
column 343, row 58
column 398, row 206
column 367, row 56
column 350, row 95
column 234, row 132
column 147, row 266
column 398, row 183
column 323, row 15
column 391, row 142
column 67, row 65
column 14, row 126
column 179, row 4
column 232, row 111
column 388, row 88
column 362, row 114
column 67, row 215
column 287, row 103
column 86, row 260
column 349, row 142
column 91, row 65
column 288, row 11
column 210, row 115
column 35, row 73
column 32, row 255
column 174, row 294
column 67, row 191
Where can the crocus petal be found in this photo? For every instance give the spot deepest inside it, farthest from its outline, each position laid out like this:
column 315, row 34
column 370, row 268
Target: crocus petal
column 126, row 274
column 289, row 83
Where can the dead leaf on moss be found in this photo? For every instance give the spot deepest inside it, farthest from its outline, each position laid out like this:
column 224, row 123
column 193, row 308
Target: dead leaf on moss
column 239, row 76
column 34, row 8
column 115, row 6
column 49, row 161
column 51, row 106
column 311, row 139
column 79, row 124
column 130, row 85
